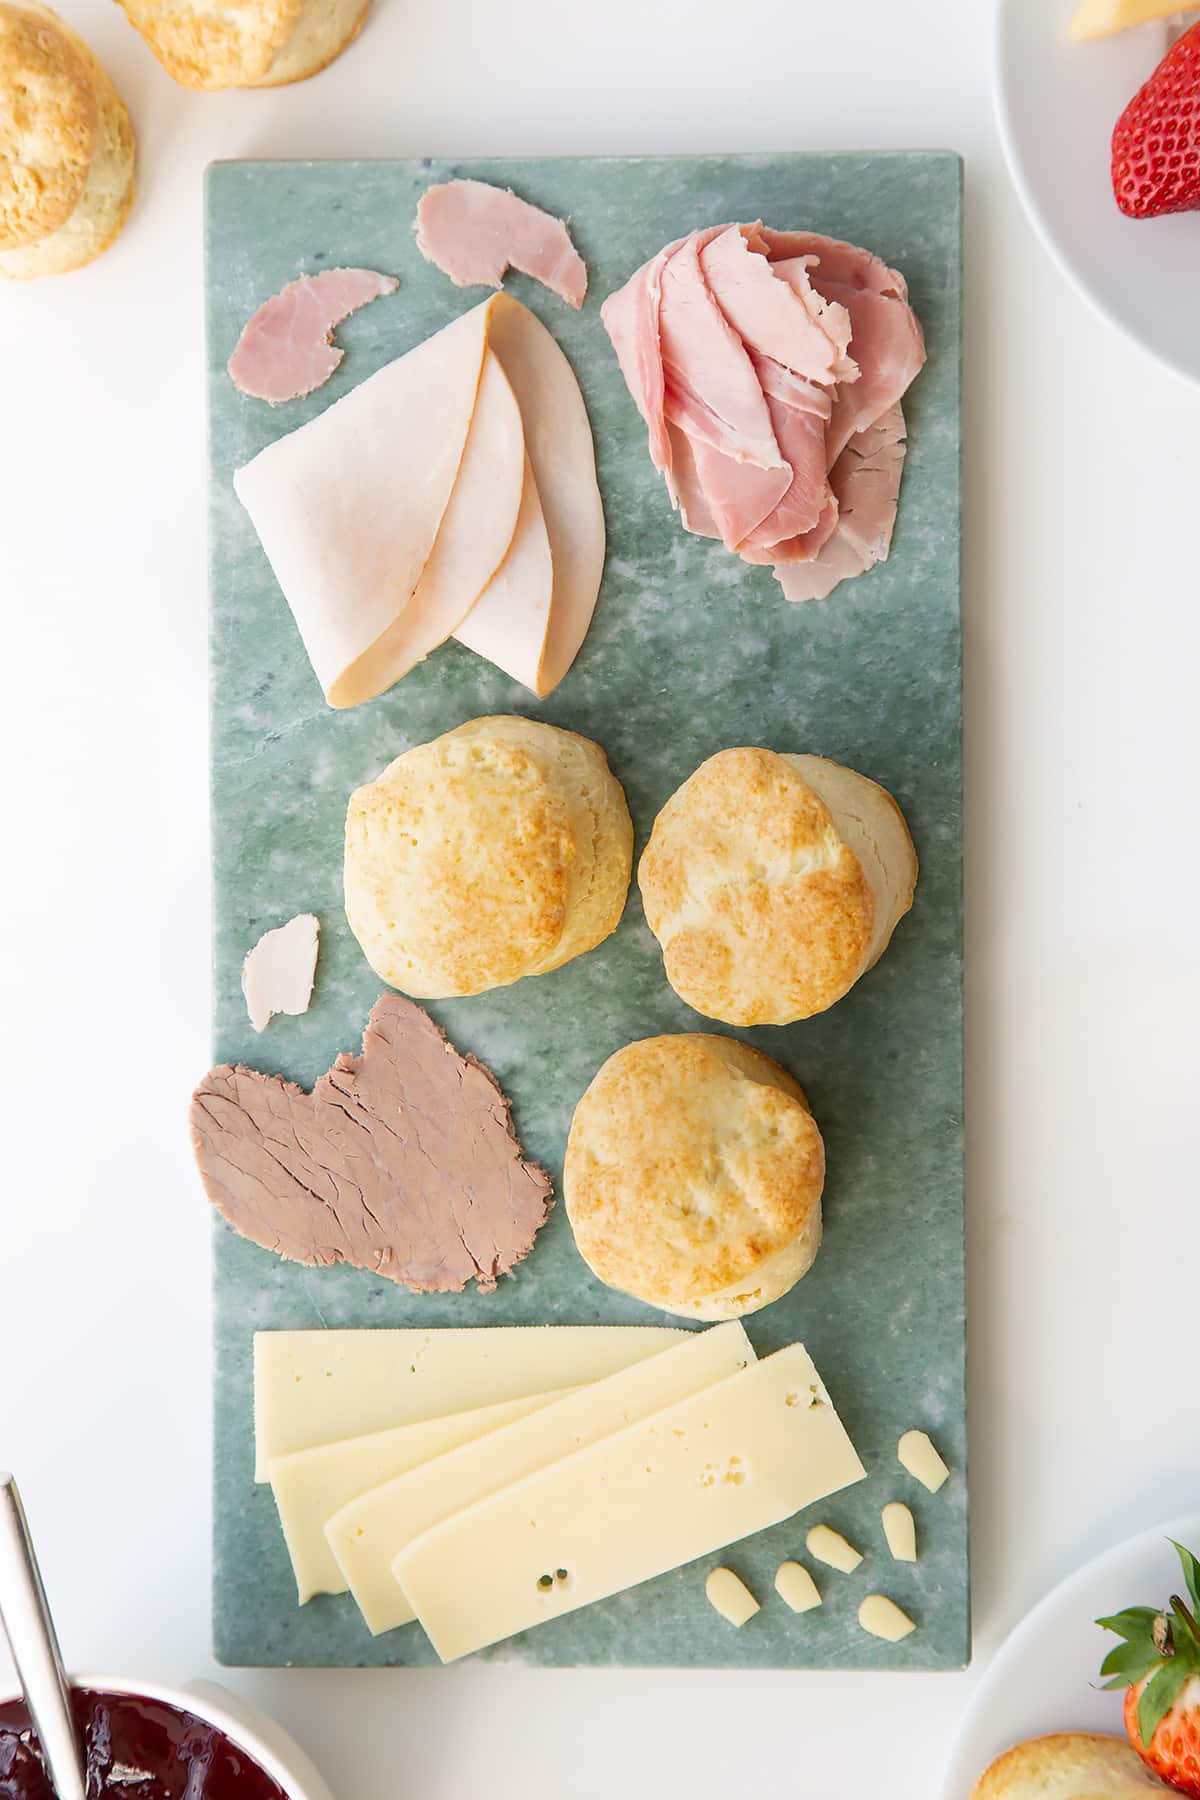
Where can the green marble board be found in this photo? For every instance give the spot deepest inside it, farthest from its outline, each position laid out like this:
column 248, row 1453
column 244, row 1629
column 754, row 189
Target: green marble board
column 691, row 651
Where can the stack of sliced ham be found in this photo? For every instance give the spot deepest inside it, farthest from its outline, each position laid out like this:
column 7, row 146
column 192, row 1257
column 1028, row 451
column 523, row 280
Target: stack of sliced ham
column 451, row 494
column 769, row 367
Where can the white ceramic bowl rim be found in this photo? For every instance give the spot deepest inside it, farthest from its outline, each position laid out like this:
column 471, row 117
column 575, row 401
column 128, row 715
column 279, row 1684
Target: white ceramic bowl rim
column 1031, row 195
column 235, row 1717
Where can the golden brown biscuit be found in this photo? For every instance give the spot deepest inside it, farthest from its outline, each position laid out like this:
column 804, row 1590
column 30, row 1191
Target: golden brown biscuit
column 1070, row 1765
column 246, row 43
column 693, row 1176
column 500, row 850
column 773, row 882
column 66, row 147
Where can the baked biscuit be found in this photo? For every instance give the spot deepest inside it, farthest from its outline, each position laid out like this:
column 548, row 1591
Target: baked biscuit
column 693, row 1176
column 246, row 43
column 1069, row 1765
column 66, row 147
column 772, row 882
column 500, row 850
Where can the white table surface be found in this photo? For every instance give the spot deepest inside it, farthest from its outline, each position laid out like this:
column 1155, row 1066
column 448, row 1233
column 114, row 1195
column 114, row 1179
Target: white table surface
column 1083, row 645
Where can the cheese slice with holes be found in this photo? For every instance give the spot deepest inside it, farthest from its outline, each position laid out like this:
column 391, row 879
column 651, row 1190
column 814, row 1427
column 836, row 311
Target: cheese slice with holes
column 740, row 1457
column 368, row 1534
column 315, row 1387
column 312, row 1485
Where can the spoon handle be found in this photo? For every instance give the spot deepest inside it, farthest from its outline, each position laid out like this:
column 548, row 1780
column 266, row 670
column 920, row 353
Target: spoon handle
column 34, row 1645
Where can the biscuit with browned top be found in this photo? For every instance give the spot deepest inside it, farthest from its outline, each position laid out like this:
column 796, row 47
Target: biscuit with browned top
column 502, row 849
column 66, row 147
column 772, row 882
column 693, row 1176
column 246, row 43
column 1069, row 1765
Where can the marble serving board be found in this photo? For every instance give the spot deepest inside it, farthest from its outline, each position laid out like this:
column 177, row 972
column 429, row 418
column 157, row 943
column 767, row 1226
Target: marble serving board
column 691, row 651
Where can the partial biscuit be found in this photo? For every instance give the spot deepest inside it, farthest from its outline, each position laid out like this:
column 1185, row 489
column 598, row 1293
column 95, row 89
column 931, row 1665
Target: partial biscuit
column 66, row 147
column 1068, row 1765
column 246, row 43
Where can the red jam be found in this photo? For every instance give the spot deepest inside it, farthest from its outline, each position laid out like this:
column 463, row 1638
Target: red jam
column 135, row 1749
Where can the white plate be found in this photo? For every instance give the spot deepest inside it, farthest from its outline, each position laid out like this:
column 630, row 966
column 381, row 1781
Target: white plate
column 1057, row 103
column 1045, row 1675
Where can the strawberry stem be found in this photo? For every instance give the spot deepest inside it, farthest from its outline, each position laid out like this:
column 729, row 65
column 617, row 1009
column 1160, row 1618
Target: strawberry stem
column 1186, row 1614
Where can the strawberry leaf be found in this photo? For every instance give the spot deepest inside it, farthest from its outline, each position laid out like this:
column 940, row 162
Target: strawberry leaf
column 1191, row 1572
column 1134, row 1622
column 1130, row 1662
column 1159, row 1696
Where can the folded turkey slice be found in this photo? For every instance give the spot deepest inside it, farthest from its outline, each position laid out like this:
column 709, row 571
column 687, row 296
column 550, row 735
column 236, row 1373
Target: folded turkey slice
column 510, row 622
column 387, row 518
column 558, row 441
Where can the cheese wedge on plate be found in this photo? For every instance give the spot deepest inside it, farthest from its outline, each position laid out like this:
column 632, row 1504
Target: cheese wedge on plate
column 386, row 518
column 368, row 1534
column 1100, row 18
column 317, row 1387
column 312, row 1485
column 728, row 1462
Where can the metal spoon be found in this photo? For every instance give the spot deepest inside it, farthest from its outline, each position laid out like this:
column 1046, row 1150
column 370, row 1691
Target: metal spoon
column 34, row 1645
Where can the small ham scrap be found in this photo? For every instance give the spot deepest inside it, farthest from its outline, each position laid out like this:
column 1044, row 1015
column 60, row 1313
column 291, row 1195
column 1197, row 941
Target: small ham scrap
column 475, row 233
column 402, row 1161
column 286, row 348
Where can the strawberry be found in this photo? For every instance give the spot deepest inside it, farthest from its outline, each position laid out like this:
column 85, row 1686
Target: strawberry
column 1159, row 1663
column 1156, row 143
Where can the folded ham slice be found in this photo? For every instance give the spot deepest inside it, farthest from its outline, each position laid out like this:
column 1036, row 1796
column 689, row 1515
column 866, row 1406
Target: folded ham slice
column 286, row 348
column 474, row 233
column 389, row 518
column 792, row 321
column 866, row 484
column 631, row 318
column 769, row 367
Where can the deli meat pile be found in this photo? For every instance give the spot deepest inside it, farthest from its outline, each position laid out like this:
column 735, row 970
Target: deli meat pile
column 769, row 367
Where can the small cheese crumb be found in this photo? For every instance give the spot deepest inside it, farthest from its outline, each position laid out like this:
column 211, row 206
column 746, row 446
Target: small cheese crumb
column 731, row 1597
column 883, row 1619
column 277, row 975
column 831, row 1547
column 796, row 1587
column 900, row 1530
column 922, row 1461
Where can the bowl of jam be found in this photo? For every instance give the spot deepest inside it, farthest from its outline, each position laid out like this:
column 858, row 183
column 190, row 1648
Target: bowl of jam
column 146, row 1742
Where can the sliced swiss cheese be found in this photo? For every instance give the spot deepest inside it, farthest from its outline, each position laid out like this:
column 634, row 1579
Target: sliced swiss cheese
column 349, row 506
column 510, row 622
column 368, row 1534
column 731, row 1461
column 316, row 1387
column 312, row 1485
column 558, row 440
